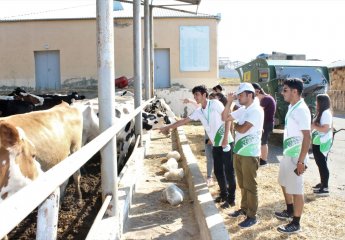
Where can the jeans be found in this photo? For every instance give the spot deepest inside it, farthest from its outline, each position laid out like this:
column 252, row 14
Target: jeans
column 224, row 171
column 321, row 162
column 209, row 159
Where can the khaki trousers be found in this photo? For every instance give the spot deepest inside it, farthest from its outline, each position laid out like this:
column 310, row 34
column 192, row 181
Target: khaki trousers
column 245, row 169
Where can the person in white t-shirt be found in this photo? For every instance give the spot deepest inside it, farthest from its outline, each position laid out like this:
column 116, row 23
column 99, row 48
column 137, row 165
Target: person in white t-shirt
column 322, row 136
column 248, row 129
column 295, row 150
column 209, row 113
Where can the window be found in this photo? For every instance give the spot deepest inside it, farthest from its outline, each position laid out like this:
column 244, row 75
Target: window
column 194, row 48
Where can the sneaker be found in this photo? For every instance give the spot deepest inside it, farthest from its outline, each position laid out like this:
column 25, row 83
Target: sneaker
column 239, row 212
column 219, row 199
column 263, row 163
column 317, row 186
column 248, row 222
column 284, row 215
column 322, row 192
column 289, row 228
column 225, row 205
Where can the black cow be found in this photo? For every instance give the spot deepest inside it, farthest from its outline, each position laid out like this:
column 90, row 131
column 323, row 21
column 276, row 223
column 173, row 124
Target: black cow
column 50, row 100
column 12, row 107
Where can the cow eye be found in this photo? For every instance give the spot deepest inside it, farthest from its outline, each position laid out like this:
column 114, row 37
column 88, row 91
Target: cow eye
column 33, row 155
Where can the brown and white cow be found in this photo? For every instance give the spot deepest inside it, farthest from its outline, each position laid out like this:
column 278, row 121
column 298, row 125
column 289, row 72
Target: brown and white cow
column 47, row 137
column 18, row 165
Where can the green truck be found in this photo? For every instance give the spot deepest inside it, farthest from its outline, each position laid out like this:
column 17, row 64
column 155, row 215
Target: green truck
column 270, row 74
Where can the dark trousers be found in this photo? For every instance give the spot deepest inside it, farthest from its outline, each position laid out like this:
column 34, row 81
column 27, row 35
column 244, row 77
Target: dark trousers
column 224, row 171
column 321, row 162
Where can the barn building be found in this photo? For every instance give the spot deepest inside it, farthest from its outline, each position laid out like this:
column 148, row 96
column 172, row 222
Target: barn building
column 55, row 49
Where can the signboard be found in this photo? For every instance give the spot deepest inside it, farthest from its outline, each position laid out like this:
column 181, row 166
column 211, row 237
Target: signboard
column 263, row 75
column 194, row 48
column 246, row 76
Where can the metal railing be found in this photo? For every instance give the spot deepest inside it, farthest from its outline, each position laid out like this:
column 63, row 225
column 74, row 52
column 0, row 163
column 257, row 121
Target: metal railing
column 14, row 209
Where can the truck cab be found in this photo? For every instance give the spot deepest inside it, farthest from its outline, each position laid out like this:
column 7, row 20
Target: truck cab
column 270, row 74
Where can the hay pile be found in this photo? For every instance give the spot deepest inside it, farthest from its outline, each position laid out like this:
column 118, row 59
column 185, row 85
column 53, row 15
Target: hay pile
column 323, row 218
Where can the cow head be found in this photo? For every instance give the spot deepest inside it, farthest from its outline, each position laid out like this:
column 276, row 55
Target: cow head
column 18, row 166
column 30, row 98
column 159, row 106
column 76, row 96
column 155, row 120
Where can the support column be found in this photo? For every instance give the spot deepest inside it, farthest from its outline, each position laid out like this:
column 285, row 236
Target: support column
column 106, row 99
column 147, row 49
column 137, row 55
column 152, row 52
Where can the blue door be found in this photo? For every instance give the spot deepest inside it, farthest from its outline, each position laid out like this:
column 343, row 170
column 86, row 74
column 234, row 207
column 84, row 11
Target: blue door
column 162, row 68
column 47, row 70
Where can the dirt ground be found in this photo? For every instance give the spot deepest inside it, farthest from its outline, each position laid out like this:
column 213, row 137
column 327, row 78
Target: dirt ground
column 152, row 219
column 74, row 221
column 322, row 217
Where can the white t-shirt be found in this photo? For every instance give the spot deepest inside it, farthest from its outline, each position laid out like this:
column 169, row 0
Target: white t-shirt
column 297, row 119
column 321, row 138
column 249, row 143
column 211, row 119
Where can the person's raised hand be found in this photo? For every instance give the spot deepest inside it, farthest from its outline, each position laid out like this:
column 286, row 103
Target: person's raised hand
column 231, row 96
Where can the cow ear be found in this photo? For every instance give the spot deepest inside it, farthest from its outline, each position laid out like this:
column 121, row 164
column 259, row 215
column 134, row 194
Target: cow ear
column 9, row 135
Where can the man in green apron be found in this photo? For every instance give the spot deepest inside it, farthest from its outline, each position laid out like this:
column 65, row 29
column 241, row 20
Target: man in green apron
column 297, row 139
column 248, row 130
column 218, row 131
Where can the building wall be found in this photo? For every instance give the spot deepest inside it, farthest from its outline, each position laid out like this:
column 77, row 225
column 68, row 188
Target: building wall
column 76, row 41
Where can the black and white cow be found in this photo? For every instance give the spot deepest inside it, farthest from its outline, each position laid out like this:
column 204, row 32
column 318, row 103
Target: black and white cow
column 154, row 119
column 159, row 106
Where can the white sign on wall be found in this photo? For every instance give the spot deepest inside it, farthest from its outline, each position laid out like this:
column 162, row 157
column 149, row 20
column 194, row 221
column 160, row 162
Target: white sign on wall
column 194, row 48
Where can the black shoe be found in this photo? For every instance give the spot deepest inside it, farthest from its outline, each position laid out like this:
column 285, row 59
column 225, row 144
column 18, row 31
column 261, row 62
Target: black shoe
column 317, row 186
column 225, row 205
column 219, row 199
column 237, row 213
column 248, row 222
column 284, row 215
column 322, row 192
column 289, row 228
column 263, row 163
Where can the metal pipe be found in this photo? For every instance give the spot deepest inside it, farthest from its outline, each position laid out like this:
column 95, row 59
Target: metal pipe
column 137, row 55
column 106, row 98
column 147, row 49
column 152, row 52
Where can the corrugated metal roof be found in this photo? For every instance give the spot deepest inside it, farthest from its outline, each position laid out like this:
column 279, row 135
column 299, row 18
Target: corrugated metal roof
column 16, row 10
column 336, row 64
column 296, row 63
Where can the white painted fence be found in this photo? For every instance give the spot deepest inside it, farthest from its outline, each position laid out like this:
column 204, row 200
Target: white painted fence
column 14, row 209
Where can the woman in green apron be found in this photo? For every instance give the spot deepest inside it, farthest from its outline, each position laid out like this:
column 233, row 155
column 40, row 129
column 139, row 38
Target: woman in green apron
column 322, row 141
